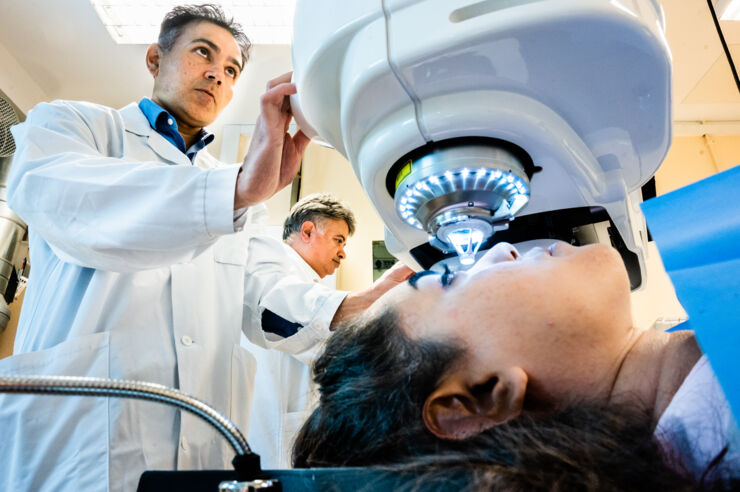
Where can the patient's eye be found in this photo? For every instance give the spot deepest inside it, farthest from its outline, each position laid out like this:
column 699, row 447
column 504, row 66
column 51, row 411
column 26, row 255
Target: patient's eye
column 415, row 277
column 446, row 278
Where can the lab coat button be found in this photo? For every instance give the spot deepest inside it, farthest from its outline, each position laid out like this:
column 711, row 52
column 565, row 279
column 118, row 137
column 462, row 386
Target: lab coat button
column 186, row 340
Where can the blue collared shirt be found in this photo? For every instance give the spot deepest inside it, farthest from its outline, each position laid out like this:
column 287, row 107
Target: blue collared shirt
column 164, row 124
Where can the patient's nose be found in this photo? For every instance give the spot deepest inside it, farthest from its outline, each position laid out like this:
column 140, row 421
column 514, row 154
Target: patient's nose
column 502, row 252
column 499, row 253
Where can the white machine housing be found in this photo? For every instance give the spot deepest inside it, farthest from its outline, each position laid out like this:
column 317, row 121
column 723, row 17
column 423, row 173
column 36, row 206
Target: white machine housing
column 582, row 86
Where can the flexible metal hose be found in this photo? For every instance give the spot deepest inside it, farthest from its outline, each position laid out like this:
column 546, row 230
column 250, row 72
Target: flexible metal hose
column 85, row 386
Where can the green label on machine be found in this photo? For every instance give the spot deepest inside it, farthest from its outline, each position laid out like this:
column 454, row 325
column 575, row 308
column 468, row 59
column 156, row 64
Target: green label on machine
column 405, row 171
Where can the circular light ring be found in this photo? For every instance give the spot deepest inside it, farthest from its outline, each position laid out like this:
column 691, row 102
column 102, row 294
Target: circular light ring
column 454, row 191
column 502, row 186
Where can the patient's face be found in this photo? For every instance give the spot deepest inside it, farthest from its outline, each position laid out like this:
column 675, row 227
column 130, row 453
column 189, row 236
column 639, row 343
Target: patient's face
column 562, row 314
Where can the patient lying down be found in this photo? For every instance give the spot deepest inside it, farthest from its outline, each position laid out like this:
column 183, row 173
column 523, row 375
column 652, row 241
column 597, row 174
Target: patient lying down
column 527, row 372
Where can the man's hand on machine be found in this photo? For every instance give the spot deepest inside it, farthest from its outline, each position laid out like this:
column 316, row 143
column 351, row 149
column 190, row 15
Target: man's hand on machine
column 274, row 155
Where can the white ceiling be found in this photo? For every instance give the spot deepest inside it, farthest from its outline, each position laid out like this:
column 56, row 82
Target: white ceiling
column 64, row 47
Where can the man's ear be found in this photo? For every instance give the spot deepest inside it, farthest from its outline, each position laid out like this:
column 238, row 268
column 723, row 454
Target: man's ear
column 153, row 57
column 458, row 409
column 308, row 229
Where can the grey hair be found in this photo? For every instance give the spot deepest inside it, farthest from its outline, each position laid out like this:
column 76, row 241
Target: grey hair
column 315, row 208
column 179, row 17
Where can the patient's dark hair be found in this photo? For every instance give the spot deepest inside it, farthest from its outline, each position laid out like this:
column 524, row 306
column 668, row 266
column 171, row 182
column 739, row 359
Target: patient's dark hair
column 374, row 380
column 179, row 17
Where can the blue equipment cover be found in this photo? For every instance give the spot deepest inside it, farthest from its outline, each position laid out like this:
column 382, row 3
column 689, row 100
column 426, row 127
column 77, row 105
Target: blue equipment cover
column 697, row 231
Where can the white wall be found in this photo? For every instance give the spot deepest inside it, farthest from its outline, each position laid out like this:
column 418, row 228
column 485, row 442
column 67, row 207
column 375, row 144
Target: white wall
column 17, row 83
column 657, row 299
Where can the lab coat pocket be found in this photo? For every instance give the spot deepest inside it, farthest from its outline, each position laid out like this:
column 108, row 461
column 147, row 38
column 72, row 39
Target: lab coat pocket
column 52, row 441
column 292, row 423
column 86, row 355
column 243, row 368
column 231, row 249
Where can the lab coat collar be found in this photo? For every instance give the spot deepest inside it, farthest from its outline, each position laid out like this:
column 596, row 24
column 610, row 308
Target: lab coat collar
column 306, row 269
column 136, row 122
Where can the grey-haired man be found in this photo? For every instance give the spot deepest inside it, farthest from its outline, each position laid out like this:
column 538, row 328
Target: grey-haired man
column 292, row 314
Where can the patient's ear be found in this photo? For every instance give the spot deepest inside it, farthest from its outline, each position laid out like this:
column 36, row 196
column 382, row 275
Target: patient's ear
column 458, row 409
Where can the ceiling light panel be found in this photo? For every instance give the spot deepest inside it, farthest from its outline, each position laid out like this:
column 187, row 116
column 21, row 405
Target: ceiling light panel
column 728, row 9
column 137, row 22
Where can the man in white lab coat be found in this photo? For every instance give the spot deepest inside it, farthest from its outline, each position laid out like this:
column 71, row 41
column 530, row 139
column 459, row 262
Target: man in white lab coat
column 294, row 313
column 137, row 265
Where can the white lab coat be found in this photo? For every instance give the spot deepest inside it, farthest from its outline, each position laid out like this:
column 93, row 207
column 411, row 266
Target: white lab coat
column 280, row 280
column 136, row 273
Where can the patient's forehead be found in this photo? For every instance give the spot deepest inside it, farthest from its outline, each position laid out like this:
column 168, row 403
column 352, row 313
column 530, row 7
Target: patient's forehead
column 414, row 307
column 397, row 296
